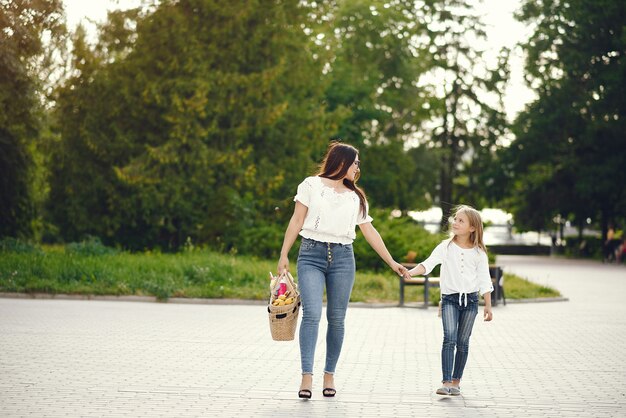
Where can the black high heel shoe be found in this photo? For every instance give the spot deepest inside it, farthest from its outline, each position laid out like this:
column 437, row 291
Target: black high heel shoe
column 304, row 394
column 329, row 392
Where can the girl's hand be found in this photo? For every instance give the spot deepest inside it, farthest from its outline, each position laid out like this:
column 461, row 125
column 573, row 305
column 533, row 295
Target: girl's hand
column 488, row 315
column 283, row 265
column 418, row 270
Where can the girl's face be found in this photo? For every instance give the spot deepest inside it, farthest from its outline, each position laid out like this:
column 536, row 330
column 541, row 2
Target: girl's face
column 461, row 225
column 354, row 169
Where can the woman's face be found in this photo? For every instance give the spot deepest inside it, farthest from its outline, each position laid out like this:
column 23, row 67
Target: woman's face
column 354, row 169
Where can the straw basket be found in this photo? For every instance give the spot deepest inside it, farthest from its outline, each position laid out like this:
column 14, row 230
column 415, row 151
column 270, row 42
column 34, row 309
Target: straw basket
column 284, row 319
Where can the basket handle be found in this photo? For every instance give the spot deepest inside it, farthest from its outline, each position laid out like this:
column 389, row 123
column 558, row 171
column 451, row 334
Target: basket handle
column 291, row 281
column 289, row 278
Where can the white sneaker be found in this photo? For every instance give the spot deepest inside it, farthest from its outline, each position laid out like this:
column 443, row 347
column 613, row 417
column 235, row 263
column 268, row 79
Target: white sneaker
column 455, row 391
column 443, row 391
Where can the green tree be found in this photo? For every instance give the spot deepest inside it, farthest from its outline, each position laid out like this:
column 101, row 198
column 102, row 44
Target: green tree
column 376, row 63
column 25, row 27
column 197, row 124
column 375, row 59
column 466, row 106
column 573, row 133
column 396, row 178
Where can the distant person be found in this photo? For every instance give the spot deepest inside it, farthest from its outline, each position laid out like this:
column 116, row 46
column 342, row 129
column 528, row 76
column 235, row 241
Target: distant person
column 553, row 249
column 620, row 253
column 464, row 276
column 583, row 248
column 610, row 245
column 329, row 206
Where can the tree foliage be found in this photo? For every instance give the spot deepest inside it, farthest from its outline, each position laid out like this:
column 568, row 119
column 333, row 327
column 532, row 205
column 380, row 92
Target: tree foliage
column 192, row 129
column 467, row 108
column 376, row 57
column 196, row 119
column 570, row 147
column 24, row 27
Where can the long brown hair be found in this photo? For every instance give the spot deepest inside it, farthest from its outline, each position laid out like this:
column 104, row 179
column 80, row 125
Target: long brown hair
column 335, row 165
column 475, row 221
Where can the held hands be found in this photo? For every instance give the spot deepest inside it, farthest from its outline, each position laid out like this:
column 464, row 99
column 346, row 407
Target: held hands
column 400, row 270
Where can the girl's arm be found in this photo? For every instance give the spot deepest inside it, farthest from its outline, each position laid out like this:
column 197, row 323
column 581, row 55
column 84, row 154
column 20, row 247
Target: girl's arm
column 426, row 266
column 484, row 285
column 294, row 228
column 484, row 278
column 375, row 240
column 418, row 270
column 487, row 313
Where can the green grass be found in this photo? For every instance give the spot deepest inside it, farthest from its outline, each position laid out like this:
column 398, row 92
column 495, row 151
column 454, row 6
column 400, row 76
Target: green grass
column 195, row 274
column 517, row 288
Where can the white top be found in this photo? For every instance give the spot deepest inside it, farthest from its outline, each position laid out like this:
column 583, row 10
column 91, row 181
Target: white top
column 463, row 270
column 331, row 216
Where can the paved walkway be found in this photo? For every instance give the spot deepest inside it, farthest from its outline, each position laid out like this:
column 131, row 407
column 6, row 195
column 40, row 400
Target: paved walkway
column 100, row 358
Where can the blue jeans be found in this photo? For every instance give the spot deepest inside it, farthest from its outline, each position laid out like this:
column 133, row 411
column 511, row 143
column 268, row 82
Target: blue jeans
column 322, row 265
column 458, row 321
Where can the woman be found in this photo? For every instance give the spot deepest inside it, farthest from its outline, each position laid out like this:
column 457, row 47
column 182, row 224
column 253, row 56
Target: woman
column 328, row 208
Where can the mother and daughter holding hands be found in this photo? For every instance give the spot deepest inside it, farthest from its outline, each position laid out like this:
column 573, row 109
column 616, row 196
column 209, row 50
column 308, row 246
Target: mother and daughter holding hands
column 329, row 206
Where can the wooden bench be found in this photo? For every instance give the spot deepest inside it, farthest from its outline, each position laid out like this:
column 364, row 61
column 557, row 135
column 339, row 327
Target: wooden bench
column 425, row 281
column 497, row 279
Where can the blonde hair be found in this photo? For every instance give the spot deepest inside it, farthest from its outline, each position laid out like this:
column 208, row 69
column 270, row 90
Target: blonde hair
column 475, row 221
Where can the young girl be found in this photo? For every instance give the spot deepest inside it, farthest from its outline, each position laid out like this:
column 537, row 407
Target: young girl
column 464, row 274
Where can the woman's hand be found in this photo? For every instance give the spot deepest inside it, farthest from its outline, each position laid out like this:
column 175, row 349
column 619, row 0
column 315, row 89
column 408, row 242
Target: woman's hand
column 400, row 270
column 283, row 265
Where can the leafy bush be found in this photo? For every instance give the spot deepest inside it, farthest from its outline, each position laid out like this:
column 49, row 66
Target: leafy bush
column 263, row 240
column 401, row 235
column 90, row 246
column 160, row 285
column 405, row 239
column 12, row 245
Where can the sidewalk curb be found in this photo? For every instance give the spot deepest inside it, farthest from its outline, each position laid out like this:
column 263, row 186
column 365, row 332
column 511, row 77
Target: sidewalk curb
column 537, row 300
column 202, row 301
column 131, row 298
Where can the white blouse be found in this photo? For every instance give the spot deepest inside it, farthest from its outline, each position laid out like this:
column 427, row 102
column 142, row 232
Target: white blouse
column 463, row 270
column 331, row 216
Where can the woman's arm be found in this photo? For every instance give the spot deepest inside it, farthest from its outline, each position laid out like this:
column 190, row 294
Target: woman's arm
column 294, row 228
column 375, row 240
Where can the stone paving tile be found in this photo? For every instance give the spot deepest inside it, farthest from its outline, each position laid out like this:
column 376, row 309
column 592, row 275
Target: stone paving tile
column 108, row 358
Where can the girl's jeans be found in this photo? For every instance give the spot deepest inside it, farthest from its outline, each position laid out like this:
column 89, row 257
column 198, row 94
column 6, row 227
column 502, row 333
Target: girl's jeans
column 331, row 265
column 458, row 321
